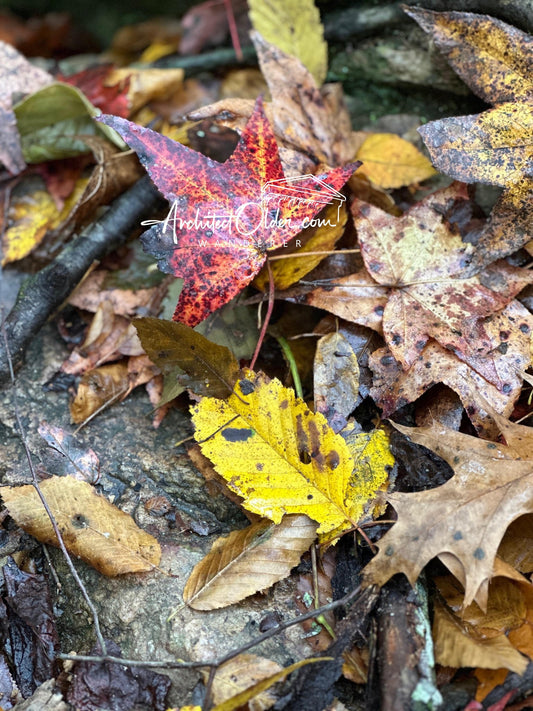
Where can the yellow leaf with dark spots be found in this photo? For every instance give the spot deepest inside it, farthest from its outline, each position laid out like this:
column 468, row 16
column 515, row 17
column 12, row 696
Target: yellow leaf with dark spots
column 281, row 457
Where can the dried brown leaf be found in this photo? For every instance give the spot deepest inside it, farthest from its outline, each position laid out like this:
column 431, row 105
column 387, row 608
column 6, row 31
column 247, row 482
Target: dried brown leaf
column 92, row 528
column 247, row 561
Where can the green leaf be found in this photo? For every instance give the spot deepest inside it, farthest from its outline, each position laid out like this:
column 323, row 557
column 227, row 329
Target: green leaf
column 51, row 120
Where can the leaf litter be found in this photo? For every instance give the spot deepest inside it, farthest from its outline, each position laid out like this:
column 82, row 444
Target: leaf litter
column 434, row 287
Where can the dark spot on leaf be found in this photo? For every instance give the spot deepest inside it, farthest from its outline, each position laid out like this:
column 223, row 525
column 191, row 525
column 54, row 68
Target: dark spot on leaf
column 504, row 335
column 420, row 345
column 246, row 387
column 79, row 521
column 396, row 339
column 333, row 460
column 387, row 360
column 491, row 445
column 524, row 328
column 506, row 388
column 374, row 266
column 390, row 550
column 284, row 404
column 259, row 467
column 236, row 434
column 456, row 460
column 309, row 497
column 304, row 456
column 457, row 536
column 378, row 310
column 479, row 554
column 503, row 348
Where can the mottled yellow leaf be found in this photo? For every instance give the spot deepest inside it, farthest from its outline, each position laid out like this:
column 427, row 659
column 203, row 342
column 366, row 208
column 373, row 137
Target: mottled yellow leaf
column 391, row 162
column 294, row 26
column 93, row 529
column 31, row 217
column 247, row 561
column 281, row 457
column 242, row 673
column 321, row 237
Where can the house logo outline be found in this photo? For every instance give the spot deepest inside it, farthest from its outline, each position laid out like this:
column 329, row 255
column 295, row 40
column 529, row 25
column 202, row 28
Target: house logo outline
column 288, row 188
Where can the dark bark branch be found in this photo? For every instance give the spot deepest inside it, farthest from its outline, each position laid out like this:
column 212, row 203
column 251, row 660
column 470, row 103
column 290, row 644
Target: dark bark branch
column 41, row 295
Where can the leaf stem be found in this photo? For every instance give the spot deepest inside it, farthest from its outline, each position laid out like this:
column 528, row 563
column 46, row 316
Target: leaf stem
column 287, row 352
column 270, row 308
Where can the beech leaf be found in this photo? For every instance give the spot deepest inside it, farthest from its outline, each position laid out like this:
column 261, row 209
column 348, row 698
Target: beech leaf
column 391, row 162
column 247, row 561
column 465, row 517
column 281, row 458
column 242, row 673
column 93, row 529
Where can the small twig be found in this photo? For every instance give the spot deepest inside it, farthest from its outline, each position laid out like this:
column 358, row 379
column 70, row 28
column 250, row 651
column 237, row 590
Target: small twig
column 297, row 255
column 35, row 484
column 271, row 288
column 172, row 664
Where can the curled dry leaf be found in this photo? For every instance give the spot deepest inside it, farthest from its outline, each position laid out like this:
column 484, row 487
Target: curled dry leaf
column 247, row 561
column 98, row 388
column 93, row 529
column 281, row 458
column 336, row 379
column 242, row 672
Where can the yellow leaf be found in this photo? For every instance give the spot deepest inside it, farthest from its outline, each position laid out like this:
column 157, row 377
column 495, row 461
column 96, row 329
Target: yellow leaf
column 146, row 84
column 280, row 457
column 320, row 238
column 237, row 702
column 32, row 216
column 248, row 560
column 391, row 162
column 293, row 26
column 93, row 529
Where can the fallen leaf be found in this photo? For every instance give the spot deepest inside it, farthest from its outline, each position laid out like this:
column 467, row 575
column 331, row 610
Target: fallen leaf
column 516, row 546
column 390, row 161
column 495, row 59
column 249, row 560
column 99, row 388
column 82, row 464
column 456, row 645
column 394, row 387
column 282, row 458
column 215, row 262
column 294, row 26
column 210, row 369
column 321, row 237
column 108, row 685
column 307, row 120
column 31, row 217
column 242, row 672
column 237, row 701
column 17, row 76
column 336, row 379
column 51, row 121
column 93, row 529
column 468, row 515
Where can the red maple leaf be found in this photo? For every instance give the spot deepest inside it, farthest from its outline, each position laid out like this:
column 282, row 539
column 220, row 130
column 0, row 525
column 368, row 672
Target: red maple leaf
column 224, row 216
column 91, row 82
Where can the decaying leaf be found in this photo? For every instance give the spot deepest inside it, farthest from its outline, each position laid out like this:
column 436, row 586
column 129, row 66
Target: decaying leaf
column 31, row 216
column 336, row 379
column 281, row 458
column 92, row 528
column 237, row 702
column 242, row 672
column 210, row 369
column 98, row 388
column 390, row 161
column 17, row 75
column 247, row 561
column 465, row 517
column 293, row 26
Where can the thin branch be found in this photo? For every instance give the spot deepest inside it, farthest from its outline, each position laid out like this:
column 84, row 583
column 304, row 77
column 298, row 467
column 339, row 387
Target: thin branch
column 35, row 484
column 172, row 664
column 271, row 289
